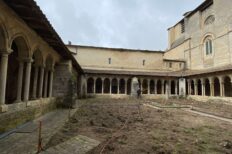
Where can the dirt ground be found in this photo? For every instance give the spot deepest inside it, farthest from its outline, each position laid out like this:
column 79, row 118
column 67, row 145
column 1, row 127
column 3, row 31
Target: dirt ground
column 215, row 107
column 125, row 127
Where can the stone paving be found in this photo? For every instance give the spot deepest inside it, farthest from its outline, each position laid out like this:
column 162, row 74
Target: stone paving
column 25, row 139
column 77, row 145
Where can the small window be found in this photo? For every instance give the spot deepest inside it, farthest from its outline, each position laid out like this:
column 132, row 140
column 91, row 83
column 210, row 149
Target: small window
column 180, row 65
column 144, row 62
column 170, row 65
column 208, row 47
column 209, row 20
column 109, row 60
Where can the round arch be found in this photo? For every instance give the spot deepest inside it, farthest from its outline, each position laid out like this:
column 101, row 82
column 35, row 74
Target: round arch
column 23, row 47
column 90, row 86
column 145, row 86
column 227, row 86
column 207, row 87
column 107, row 86
column 217, row 88
column 173, row 84
column 114, row 86
column 99, row 86
column 159, row 87
column 122, row 87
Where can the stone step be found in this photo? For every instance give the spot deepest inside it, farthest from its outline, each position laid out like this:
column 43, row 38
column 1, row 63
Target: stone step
column 77, row 145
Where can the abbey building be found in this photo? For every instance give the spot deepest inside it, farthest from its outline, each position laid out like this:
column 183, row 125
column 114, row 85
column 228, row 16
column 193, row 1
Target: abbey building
column 197, row 63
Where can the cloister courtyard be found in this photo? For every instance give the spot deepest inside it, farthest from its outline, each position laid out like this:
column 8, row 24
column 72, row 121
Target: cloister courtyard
column 143, row 126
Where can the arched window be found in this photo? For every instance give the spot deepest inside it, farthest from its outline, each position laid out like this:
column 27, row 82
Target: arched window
column 208, row 44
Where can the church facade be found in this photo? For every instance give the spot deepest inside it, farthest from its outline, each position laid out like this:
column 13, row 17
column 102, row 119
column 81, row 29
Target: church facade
column 197, row 63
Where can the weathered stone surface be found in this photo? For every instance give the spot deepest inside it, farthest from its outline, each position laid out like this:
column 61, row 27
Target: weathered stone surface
column 77, row 145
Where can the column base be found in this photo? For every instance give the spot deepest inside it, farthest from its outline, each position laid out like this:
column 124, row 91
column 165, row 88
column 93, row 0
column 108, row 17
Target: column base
column 3, row 108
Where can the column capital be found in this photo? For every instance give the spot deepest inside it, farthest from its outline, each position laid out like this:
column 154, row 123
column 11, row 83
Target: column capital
column 6, row 52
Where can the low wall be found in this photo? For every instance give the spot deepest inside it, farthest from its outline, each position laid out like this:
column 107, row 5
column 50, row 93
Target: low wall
column 21, row 113
column 120, row 96
column 207, row 98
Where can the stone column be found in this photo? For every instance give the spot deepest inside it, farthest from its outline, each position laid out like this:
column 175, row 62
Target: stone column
column 3, row 77
column 189, row 86
column 35, row 81
column 94, row 86
column 195, row 87
column 126, row 86
column 20, row 81
column 222, row 88
column 148, row 87
column 155, row 86
column 51, row 83
column 162, row 87
column 27, row 80
column 102, row 85
column 176, row 87
column 110, row 86
column 203, row 87
column 211, row 87
column 41, row 81
column 45, row 94
column 118, row 86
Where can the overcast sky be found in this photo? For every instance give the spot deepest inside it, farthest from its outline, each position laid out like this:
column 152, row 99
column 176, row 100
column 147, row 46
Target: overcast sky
column 136, row 24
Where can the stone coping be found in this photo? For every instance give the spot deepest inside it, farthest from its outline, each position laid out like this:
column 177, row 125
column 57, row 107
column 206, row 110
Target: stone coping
column 8, row 108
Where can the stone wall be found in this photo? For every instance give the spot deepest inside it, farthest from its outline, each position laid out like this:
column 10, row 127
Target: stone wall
column 62, row 75
column 121, row 59
column 19, row 114
column 196, row 30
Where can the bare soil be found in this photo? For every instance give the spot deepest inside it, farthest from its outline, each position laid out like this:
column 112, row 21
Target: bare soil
column 215, row 107
column 126, row 127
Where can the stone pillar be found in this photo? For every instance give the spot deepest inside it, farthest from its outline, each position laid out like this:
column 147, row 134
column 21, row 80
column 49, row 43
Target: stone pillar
column 148, row 87
column 27, row 80
column 94, row 86
column 195, row 87
column 118, row 92
column 45, row 84
column 162, row 87
column 203, row 88
column 110, row 86
column 155, row 86
column 126, row 86
column 41, row 81
column 222, row 88
column 102, row 85
column 189, row 87
column 3, row 77
column 20, row 81
column 50, row 83
column 167, row 89
column 176, row 87
column 211, row 87
column 35, row 81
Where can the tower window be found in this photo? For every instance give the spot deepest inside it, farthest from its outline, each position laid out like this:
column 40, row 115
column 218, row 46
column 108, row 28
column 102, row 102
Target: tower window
column 208, row 46
column 109, row 60
column 170, row 65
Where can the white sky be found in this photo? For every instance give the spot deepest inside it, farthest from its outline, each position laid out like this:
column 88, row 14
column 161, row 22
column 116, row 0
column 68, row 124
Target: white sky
column 136, row 24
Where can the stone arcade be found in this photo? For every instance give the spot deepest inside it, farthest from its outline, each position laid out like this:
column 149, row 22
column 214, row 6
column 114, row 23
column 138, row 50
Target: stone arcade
column 34, row 63
column 199, row 55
